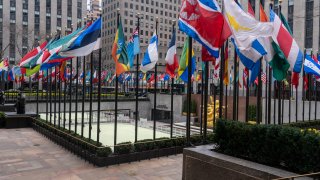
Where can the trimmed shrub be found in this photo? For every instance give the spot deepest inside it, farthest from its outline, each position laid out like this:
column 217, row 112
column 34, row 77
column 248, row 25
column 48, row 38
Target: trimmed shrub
column 290, row 148
column 307, row 124
column 2, row 119
column 104, row 152
column 144, row 145
column 163, row 142
column 196, row 139
column 123, row 148
column 180, row 141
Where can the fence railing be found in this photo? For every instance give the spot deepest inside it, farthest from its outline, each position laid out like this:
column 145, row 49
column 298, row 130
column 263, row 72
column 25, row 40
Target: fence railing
column 314, row 176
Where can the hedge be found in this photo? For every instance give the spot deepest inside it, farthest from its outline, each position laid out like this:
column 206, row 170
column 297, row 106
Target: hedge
column 285, row 147
column 306, row 124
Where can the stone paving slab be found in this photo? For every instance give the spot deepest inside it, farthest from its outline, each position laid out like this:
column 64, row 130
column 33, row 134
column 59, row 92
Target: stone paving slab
column 26, row 154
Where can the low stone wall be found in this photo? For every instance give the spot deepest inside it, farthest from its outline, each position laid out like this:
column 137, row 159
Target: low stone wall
column 202, row 163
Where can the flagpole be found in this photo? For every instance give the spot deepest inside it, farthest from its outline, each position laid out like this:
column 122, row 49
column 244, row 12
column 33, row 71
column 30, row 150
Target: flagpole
column 47, row 95
column 259, row 109
column 155, row 89
column 116, row 93
column 70, row 96
column 50, row 95
column 303, row 89
column 221, row 81
column 90, row 95
column 206, row 82
column 309, row 94
column 59, row 107
column 247, row 96
column 55, row 95
column 202, row 107
column 189, row 92
column 171, row 108
column 137, row 86
column 37, row 95
column 316, row 95
column 83, row 94
column 226, row 102
column 234, row 106
column 266, row 96
column 99, row 97
column 290, row 95
column 76, row 104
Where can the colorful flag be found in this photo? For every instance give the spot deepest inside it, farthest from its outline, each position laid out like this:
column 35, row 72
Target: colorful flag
column 151, row 56
column 310, row 66
column 287, row 44
column 197, row 19
column 86, row 42
column 244, row 77
column 4, row 65
column 119, row 52
column 248, row 34
column 33, row 53
column 185, row 62
column 133, row 46
column 171, row 57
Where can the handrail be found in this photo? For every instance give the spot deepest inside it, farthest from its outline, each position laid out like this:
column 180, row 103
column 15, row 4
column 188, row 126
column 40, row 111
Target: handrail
column 298, row 176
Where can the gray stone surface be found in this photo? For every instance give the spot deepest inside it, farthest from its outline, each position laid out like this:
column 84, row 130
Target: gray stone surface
column 203, row 163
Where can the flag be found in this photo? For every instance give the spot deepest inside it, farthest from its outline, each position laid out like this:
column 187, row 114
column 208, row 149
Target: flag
column 171, row 57
column 119, row 52
column 310, row 66
column 287, row 44
column 197, row 19
column 205, row 55
column 226, row 64
column 33, row 53
column 184, row 62
column 216, row 69
column 250, row 9
column 133, row 47
column 58, row 45
column 244, row 77
column 264, row 78
column 86, row 42
column 151, row 56
column 4, row 65
column 248, row 36
column 263, row 15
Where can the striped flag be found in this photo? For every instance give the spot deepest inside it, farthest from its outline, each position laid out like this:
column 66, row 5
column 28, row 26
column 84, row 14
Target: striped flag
column 171, row 57
column 151, row 56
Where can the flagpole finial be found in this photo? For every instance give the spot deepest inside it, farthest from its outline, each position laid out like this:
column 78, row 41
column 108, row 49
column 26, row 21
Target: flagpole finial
column 157, row 19
column 118, row 10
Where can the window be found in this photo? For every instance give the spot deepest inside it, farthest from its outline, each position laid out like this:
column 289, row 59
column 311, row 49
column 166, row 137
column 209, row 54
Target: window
column 309, row 24
column 37, row 5
column 48, row 6
column 69, row 8
column 79, row 9
column 59, row 7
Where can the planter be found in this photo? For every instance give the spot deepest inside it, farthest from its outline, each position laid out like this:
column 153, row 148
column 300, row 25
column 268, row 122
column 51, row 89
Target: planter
column 167, row 151
column 203, row 163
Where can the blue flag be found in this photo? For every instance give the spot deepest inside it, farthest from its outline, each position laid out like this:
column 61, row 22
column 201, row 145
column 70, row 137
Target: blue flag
column 310, row 66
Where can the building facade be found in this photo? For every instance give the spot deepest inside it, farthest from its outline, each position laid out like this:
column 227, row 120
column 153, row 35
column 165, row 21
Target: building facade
column 167, row 12
column 25, row 23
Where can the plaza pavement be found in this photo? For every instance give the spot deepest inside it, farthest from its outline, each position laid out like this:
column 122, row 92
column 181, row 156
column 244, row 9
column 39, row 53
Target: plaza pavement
column 26, row 154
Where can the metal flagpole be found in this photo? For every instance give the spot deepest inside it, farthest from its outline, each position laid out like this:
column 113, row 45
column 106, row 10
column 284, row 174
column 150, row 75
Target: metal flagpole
column 137, row 87
column 205, row 102
column 202, row 107
column 226, row 102
column 282, row 106
column 155, row 91
column 247, row 96
column 290, row 94
column 55, row 95
column 259, row 108
column 99, row 98
column 64, row 102
column 309, row 94
column 171, row 108
column 116, row 93
column 59, row 107
column 70, row 96
column 38, row 94
column 50, row 95
column 47, row 79
column 189, row 92
column 83, row 94
column 90, row 95
column 234, row 106
column 76, row 104
column 221, row 82
column 303, row 90
column 266, row 97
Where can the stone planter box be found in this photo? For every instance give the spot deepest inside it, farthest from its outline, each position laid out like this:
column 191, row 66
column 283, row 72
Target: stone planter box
column 203, row 163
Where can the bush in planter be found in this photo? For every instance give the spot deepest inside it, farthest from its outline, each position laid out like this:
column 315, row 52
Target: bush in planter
column 179, row 141
column 2, row 119
column 123, row 148
column 281, row 146
column 196, row 139
column 144, row 145
column 163, row 142
column 104, row 151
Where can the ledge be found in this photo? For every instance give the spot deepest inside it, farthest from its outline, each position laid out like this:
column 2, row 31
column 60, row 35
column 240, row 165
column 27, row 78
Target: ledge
column 203, row 163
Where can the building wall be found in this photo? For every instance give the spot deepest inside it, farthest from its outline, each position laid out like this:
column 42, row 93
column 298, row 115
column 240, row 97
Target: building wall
column 30, row 25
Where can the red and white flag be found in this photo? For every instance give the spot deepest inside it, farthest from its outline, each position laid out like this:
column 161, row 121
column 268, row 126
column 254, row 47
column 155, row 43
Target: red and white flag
column 171, row 57
column 29, row 56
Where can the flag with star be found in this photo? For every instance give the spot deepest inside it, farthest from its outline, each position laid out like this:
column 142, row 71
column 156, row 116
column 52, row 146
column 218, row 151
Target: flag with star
column 119, row 52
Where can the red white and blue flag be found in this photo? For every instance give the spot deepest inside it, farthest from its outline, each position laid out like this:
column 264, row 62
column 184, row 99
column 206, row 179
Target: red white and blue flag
column 32, row 54
column 171, row 57
column 287, row 44
column 203, row 21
